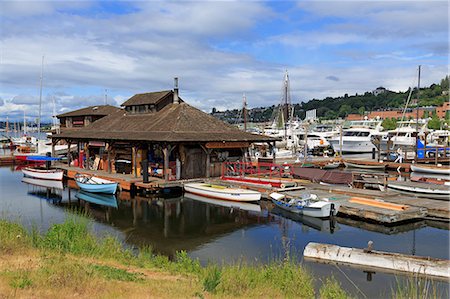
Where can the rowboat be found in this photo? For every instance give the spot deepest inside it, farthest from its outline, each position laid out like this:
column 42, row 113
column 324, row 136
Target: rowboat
column 52, row 184
column 271, row 182
column 420, row 189
column 307, row 205
column 331, row 165
column 108, row 200
column 245, row 206
column 44, row 174
column 222, row 192
column 363, row 165
column 95, row 184
column 431, row 169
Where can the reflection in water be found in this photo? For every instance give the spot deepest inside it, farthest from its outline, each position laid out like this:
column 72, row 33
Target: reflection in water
column 107, row 200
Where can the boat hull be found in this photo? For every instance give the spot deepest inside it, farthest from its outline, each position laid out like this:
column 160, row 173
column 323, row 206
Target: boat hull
column 352, row 146
column 226, row 203
column 43, row 174
column 364, row 166
column 219, row 192
column 100, row 188
column 421, row 191
column 430, row 169
column 322, row 210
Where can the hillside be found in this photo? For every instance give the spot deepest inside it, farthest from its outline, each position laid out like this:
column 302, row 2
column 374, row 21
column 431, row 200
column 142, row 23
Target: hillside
column 331, row 108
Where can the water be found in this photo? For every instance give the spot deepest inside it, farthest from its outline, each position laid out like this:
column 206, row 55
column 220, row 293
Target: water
column 220, row 234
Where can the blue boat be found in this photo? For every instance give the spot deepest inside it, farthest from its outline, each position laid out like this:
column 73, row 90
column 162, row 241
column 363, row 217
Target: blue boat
column 107, row 200
column 95, row 184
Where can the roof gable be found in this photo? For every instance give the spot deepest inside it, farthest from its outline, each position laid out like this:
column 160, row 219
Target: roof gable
column 91, row 110
column 148, row 98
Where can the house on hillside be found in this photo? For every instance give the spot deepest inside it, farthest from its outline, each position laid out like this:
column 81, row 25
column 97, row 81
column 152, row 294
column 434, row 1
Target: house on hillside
column 379, row 90
column 178, row 140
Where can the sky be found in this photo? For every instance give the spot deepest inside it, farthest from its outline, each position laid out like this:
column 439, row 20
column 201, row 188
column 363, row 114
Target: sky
column 107, row 51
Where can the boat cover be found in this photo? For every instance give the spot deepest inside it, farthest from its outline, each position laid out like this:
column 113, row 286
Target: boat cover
column 320, row 175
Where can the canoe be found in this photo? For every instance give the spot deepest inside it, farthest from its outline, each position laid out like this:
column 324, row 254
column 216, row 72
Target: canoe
column 222, row 192
column 306, row 205
column 45, row 174
column 95, row 184
column 364, row 166
column 108, row 200
column 52, row 184
column 421, row 189
column 431, row 169
column 245, row 206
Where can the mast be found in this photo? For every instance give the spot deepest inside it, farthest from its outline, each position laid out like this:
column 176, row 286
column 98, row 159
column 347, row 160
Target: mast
column 7, row 126
column 286, row 102
column 24, row 123
column 417, row 116
column 244, row 111
column 40, row 96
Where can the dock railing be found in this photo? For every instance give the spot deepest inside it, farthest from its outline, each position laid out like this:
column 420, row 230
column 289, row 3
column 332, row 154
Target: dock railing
column 258, row 169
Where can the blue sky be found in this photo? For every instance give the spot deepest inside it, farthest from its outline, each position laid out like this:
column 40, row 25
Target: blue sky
column 218, row 49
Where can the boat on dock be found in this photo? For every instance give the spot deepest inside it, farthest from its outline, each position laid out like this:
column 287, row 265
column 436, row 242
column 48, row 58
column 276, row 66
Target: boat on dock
column 107, row 200
column 271, row 182
column 222, row 192
column 364, row 165
column 420, row 189
column 95, row 184
column 331, row 165
column 43, row 173
column 433, row 169
column 306, row 204
column 245, row 206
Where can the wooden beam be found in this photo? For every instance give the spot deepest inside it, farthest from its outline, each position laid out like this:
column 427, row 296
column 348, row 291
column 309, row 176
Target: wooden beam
column 166, row 153
column 134, row 149
column 69, row 143
column 109, row 157
column 208, row 159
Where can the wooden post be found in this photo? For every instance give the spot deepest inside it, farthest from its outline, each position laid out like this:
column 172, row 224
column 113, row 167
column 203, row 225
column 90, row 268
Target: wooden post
column 274, row 154
column 436, row 155
column 134, row 149
column 68, row 153
column 86, row 146
column 166, row 162
column 109, row 157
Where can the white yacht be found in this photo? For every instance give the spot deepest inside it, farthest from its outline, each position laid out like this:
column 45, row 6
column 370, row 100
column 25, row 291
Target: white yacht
column 357, row 137
column 405, row 134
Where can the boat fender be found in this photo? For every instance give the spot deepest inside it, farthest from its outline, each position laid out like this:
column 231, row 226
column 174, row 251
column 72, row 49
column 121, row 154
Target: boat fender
column 282, row 186
column 332, row 210
column 313, row 196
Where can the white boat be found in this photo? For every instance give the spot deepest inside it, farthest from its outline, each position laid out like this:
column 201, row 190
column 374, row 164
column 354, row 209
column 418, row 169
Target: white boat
column 364, row 166
column 420, row 189
column 331, row 165
column 45, row 174
column 245, row 206
column 222, row 192
column 358, row 137
column 307, row 205
column 405, row 135
column 95, row 184
column 52, row 184
column 435, row 169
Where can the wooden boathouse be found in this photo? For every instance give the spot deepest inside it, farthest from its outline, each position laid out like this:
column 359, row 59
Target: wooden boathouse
column 160, row 131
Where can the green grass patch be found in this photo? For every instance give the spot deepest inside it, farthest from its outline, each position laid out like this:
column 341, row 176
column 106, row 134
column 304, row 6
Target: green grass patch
column 112, row 273
column 20, row 280
column 331, row 289
column 211, row 278
column 13, row 236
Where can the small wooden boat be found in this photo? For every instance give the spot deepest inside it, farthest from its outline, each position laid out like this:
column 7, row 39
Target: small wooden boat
column 331, row 165
column 108, row 200
column 245, row 206
column 420, row 189
column 364, row 165
column 222, row 192
column 271, row 182
column 307, row 205
column 44, row 174
column 435, row 169
column 51, row 184
column 95, row 184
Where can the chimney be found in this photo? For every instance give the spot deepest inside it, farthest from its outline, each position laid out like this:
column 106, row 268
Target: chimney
column 175, row 91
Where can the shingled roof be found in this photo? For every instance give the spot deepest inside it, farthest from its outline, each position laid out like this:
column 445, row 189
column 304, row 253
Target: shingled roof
column 174, row 123
column 92, row 110
column 148, row 98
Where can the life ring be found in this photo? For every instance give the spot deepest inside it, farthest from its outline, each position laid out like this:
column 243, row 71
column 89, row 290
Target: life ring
column 282, row 186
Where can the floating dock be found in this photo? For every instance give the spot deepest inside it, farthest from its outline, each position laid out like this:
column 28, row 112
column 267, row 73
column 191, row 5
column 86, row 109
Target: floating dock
column 425, row 266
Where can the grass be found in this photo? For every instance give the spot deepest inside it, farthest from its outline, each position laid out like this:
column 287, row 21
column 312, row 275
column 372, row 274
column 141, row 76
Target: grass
column 68, row 260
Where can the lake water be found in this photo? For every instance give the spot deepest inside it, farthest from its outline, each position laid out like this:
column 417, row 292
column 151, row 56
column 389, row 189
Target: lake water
column 214, row 233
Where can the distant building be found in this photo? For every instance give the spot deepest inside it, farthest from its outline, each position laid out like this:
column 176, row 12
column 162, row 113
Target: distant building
column 379, row 90
column 85, row 116
column 398, row 113
column 443, row 110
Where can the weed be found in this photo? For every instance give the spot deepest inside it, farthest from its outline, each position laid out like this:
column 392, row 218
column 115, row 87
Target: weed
column 415, row 287
column 212, row 279
column 21, row 280
column 185, row 264
column 331, row 289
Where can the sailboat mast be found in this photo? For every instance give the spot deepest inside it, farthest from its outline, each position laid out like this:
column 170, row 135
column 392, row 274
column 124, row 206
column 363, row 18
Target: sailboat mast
column 244, row 111
column 417, row 116
column 40, row 96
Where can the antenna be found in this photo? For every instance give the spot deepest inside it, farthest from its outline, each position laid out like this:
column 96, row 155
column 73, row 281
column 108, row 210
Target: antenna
column 244, row 111
column 106, row 96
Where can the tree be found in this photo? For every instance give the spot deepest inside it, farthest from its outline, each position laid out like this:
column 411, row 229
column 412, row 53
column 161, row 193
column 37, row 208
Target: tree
column 361, row 110
column 344, row 110
column 435, row 122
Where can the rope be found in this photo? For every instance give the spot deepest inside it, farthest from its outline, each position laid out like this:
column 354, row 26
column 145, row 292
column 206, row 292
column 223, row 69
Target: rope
column 351, row 281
